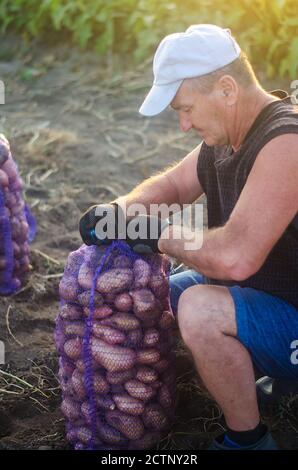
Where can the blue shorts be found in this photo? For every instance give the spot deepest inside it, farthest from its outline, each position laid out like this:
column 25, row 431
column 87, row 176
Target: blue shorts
column 266, row 325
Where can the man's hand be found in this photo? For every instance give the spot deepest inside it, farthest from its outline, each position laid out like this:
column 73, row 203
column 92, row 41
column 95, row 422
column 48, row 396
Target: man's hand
column 144, row 231
column 88, row 221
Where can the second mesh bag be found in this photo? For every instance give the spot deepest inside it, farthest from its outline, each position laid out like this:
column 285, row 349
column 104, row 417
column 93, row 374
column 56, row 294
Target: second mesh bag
column 113, row 336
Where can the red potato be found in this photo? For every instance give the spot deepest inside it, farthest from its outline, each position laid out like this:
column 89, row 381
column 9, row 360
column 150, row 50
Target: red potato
column 99, row 312
column 146, row 375
column 159, row 285
column 3, row 179
column 100, row 385
column 73, row 348
column 138, row 389
column 141, row 272
column 109, row 434
column 165, row 398
column 123, row 302
column 70, row 408
column 151, row 337
column 80, row 365
column 115, row 378
column 147, row 356
column 16, row 249
column 134, row 338
column 128, row 404
column 162, row 364
column 74, row 328
column 86, row 276
column 3, row 262
column 68, row 288
column 155, row 418
column 10, row 169
column 71, row 436
column 86, row 412
column 123, row 321
column 122, row 261
column 84, row 434
column 113, row 358
column 130, row 426
column 144, row 304
column 105, row 402
column 74, row 261
column 114, row 280
column 108, row 334
column 109, row 298
column 71, row 312
column 77, row 381
column 84, row 299
column 167, row 320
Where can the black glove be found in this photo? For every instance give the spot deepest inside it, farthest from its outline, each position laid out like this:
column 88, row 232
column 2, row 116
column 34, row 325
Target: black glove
column 89, row 220
column 146, row 242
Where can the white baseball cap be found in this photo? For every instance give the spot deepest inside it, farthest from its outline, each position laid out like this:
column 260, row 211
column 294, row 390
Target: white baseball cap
column 202, row 49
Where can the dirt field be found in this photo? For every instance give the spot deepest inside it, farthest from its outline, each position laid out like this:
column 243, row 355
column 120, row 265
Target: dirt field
column 78, row 139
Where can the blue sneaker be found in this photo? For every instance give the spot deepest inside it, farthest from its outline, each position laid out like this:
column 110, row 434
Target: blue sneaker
column 265, row 443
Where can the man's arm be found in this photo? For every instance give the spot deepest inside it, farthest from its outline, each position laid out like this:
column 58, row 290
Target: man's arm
column 178, row 184
column 266, row 206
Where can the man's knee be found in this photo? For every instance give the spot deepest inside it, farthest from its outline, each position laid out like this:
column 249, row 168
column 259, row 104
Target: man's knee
column 206, row 311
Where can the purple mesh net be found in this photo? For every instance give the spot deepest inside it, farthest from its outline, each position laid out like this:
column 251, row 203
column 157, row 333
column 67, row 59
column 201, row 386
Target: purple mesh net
column 17, row 225
column 114, row 339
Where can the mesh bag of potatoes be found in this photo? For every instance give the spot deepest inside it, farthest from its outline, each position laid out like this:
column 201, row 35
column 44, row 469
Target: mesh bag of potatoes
column 114, row 339
column 17, row 225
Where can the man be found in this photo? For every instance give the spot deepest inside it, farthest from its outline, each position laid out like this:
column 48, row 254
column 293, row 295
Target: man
column 238, row 305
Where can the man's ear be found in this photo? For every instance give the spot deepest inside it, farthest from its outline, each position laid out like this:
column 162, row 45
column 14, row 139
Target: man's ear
column 229, row 89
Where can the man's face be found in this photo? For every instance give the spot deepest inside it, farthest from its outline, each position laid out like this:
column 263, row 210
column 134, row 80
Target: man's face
column 203, row 113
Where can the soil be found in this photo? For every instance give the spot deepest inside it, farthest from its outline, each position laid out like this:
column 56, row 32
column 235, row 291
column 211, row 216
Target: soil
column 73, row 124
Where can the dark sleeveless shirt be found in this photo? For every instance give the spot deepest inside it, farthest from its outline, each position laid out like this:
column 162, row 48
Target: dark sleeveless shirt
column 223, row 174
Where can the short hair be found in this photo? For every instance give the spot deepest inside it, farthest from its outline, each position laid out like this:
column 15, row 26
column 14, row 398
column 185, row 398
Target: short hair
column 240, row 69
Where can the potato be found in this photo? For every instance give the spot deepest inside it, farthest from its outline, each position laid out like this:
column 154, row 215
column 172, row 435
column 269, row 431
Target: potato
column 115, row 280
column 68, row 288
column 167, row 320
column 144, row 304
column 123, row 302
column 71, row 435
column 73, row 348
column 128, row 404
column 3, row 179
column 161, row 364
column 66, row 368
column 84, row 299
column 159, row 285
column 84, row 434
column 3, row 262
column 123, row 321
column 115, row 378
column 122, row 261
column 86, row 276
column 109, row 434
column 80, row 365
column 77, row 381
column 155, row 418
column 146, row 374
column 74, row 261
column 138, row 389
column 141, row 271
column 146, row 442
column 151, row 337
column 130, row 426
column 147, row 356
column 134, row 338
column 99, row 312
column 86, row 412
column 74, row 328
column 105, row 402
column 110, row 298
column 71, row 312
column 113, row 358
column 108, row 334
column 164, row 397
column 70, row 408
column 100, row 385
